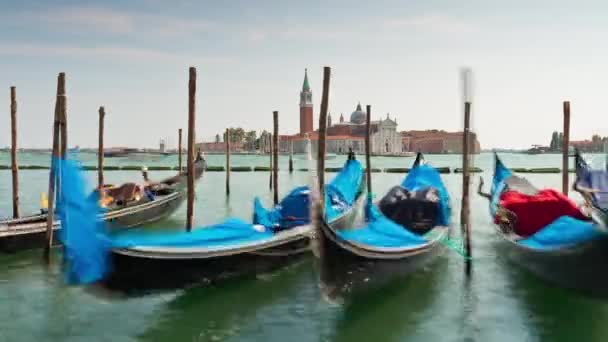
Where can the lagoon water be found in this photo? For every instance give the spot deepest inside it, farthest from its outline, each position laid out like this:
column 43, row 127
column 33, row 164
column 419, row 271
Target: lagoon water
column 500, row 302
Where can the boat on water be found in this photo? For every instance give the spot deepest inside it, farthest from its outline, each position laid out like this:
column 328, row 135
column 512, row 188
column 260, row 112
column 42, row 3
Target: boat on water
column 162, row 260
column 593, row 186
column 544, row 232
column 135, row 153
column 125, row 207
column 402, row 233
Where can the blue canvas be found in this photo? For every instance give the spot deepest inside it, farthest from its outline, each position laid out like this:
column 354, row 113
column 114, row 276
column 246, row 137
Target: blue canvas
column 565, row 231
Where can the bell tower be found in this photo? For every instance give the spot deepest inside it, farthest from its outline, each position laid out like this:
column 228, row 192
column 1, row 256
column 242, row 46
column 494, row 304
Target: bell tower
column 305, row 106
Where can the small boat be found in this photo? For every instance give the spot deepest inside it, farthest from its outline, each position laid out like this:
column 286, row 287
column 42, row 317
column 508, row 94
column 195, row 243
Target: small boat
column 402, row 234
column 163, row 260
column 161, row 200
column 563, row 245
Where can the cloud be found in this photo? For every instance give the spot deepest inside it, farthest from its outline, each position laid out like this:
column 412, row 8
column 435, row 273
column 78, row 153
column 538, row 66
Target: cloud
column 431, row 23
column 114, row 22
column 117, row 53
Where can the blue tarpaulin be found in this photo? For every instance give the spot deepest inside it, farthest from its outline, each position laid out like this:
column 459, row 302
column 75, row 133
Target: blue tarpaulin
column 595, row 180
column 380, row 231
column 565, row 231
column 85, row 242
column 425, row 176
column 501, row 173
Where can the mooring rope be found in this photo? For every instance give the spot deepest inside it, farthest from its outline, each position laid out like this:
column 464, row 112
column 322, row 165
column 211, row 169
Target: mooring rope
column 454, row 244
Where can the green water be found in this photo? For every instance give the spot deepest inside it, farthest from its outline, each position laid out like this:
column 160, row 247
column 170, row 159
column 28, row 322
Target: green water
column 499, row 303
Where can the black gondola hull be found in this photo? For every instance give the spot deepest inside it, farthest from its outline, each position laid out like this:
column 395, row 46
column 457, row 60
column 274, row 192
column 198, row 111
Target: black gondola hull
column 346, row 268
column 138, row 272
column 135, row 274
column 581, row 268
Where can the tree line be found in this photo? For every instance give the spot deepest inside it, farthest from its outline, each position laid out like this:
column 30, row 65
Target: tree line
column 557, row 139
column 249, row 139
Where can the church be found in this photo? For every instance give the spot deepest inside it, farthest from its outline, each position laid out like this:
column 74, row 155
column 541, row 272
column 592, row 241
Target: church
column 342, row 135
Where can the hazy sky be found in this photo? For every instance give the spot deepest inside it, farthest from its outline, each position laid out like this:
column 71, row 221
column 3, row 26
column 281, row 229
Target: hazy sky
column 399, row 56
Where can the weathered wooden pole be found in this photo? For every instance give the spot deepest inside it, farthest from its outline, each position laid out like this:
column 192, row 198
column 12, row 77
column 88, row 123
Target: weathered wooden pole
column 275, row 155
column 565, row 147
column 191, row 138
column 179, row 153
column 325, row 264
column 465, row 219
column 56, row 154
column 227, row 140
column 63, row 129
column 368, row 149
column 270, row 160
column 322, row 136
column 14, row 165
column 290, row 156
column 100, row 180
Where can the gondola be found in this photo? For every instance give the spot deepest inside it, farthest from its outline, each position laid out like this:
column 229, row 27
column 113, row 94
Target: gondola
column 164, row 260
column 161, row 200
column 593, row 186
column 567, row 248
column 402, row 233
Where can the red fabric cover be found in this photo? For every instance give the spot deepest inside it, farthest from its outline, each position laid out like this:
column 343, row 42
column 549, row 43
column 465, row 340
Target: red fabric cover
column 537, row 211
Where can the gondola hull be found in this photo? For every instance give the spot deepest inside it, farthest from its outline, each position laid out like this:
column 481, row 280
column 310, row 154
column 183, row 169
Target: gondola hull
column 140, row 269
column 581, row 267
column 347, row 268
column 30, row 232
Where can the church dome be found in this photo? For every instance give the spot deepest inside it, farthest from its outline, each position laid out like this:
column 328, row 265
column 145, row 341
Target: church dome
column 358, row 116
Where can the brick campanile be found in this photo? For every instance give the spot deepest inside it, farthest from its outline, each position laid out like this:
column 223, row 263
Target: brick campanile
column 305, row 106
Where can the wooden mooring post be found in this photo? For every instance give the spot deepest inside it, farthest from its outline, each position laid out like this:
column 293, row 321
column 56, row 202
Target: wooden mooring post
column 275, row 156
column 227, row 140
column 191, row 138
column 325, row 265
column 368, row 148
column 100, row 148
column 465, row 213
column 60, row 108
column 14, row 164
column 290, row 156
column 270, row 160
column 565, row 147
column 179, row 152
column 465, row 218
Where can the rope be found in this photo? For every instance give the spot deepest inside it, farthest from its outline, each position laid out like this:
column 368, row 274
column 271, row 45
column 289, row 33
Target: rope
column 454, row 244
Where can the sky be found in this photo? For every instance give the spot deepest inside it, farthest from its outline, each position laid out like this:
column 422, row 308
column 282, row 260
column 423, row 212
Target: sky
column 401, row 57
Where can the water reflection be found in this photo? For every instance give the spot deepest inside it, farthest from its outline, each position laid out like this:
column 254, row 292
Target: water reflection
column 218, row 313
column 556, row 314
column 391, row 313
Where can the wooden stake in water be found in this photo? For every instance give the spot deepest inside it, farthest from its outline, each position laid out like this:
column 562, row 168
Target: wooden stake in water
column 270, row 155
column 465, row 210
column 100, row 180
column 565, row 146
column 14, row 165
column 290, row 156
column 56, row 154
column 227, row 139
column 179, row 153
column 275, row 156
column 320, row 205
column 368, row 148
column 191, row 139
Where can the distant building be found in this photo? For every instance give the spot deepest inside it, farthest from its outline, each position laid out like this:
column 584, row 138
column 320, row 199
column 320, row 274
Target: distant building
column 345, row 135
column 436, row 141
column 306, row 106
